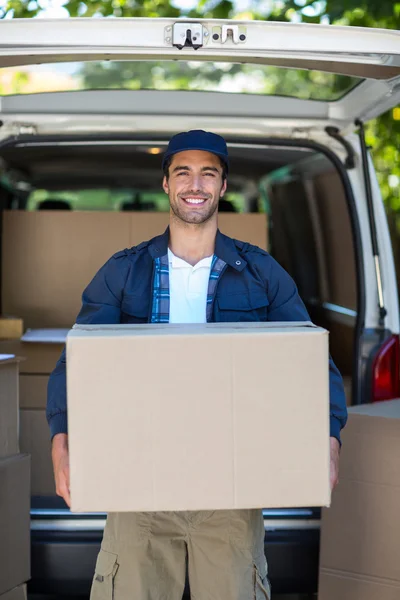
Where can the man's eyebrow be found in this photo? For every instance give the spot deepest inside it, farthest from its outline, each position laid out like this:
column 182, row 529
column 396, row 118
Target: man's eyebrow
column 179, row 167
column 186, row 168
column 210, row 169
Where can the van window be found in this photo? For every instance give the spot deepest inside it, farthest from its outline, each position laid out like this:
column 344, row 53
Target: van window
column 176, row 75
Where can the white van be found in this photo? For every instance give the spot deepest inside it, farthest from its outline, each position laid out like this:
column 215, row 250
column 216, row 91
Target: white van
column 80, row 178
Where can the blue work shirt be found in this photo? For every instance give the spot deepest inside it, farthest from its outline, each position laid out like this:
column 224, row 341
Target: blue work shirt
column 250, row 286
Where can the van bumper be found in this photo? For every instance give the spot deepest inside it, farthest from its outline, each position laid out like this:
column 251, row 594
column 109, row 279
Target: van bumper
column 64, row 548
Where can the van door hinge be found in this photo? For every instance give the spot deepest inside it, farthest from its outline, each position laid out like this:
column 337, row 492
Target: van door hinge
column 183, row 35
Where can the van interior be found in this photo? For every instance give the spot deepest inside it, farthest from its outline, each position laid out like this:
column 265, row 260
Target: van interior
column 69, row 204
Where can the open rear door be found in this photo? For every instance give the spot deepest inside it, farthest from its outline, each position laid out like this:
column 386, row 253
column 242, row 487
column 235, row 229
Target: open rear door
column 373, row 55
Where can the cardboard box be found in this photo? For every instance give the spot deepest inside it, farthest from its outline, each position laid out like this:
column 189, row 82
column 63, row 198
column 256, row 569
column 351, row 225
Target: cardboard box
column 348, row 388
column 39, row 358
column 9, row 410
column 49, row 257
column 35, row 440
column 192, row 417
column 360, row 536
column 11, row 328
column 14, row 521
column 17, row 593
column 33, row 391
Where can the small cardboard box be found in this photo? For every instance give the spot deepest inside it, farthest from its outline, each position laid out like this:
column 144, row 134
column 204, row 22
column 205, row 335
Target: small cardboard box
column 40, row 354
column 17, row 593
column 360, row 536
column 11, row 328
column 35, row 440
column 33, row 391
column 198, row 417
column 14, row 521
column 9, row 409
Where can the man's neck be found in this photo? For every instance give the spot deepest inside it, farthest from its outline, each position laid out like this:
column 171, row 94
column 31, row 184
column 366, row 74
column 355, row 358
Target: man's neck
column 190, row 242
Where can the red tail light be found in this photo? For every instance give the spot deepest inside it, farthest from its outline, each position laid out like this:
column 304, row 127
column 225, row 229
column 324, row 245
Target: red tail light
column 386, row 371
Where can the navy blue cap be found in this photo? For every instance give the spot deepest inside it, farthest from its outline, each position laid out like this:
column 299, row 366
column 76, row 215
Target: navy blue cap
column 197, row 139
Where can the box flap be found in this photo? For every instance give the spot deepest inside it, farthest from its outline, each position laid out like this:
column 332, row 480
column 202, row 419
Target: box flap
column 48, row 336
column 7, row 358
column 194, row 328
column 389, row 409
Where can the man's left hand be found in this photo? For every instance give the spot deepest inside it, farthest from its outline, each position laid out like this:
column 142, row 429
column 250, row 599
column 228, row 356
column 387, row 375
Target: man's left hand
column 335, row 453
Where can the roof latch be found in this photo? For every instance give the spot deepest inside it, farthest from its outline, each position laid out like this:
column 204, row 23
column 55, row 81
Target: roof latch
column 235, row 33
column 185, row 35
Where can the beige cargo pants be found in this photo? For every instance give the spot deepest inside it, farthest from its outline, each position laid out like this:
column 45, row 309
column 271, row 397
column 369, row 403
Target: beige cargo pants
column 143, row 556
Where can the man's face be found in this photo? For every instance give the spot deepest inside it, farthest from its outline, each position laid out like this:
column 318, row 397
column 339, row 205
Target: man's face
column 195, row 185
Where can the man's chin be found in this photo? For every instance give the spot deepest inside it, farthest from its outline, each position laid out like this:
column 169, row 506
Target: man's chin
column 193, row 218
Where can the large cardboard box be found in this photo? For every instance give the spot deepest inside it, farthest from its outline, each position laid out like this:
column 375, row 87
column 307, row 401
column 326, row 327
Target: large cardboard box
column 192, row 417
column 17, row 593
column 360, row 537
column 14, row 521
column 49, row 257
column 9, row 410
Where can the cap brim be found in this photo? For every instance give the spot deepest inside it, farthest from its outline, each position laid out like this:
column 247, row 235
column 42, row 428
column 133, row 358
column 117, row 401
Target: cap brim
column 219, row 154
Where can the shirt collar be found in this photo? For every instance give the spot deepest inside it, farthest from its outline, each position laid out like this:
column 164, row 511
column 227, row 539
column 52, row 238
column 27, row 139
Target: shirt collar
column 225, row 249
column 179, row 263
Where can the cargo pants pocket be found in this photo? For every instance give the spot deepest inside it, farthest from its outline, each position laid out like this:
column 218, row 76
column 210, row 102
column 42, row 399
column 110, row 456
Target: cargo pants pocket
column 262, row 586
column 103, row 580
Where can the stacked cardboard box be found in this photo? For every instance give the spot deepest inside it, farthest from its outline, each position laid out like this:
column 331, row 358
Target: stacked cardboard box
column 360, row 537
column 49, row 257
column 17, row 593
column 15, row 489
column 40, row 349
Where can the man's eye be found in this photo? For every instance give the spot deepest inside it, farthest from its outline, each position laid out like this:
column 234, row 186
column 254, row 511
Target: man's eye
column 182, row 173
column 210, row 174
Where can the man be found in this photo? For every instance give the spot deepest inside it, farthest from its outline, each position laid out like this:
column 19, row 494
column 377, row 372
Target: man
column 191, row 273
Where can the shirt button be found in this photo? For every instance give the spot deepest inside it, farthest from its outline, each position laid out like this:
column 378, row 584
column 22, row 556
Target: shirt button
column 238, row 262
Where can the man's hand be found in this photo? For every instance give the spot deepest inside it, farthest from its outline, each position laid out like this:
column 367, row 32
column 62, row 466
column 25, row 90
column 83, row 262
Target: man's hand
column 60, row 456
column 335, row 453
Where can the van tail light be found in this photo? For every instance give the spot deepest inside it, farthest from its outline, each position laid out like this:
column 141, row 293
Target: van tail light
column 386, row 371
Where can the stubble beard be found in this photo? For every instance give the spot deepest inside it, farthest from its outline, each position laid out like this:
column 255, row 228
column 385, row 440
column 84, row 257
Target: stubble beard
column 194, row 218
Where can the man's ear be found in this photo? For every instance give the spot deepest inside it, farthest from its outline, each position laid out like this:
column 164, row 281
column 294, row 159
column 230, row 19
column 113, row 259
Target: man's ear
column 165, row 185
column 223, row 189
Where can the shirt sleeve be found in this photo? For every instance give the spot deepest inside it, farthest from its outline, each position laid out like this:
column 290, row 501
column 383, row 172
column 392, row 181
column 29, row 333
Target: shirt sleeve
column 285, row 304
column 101, row 303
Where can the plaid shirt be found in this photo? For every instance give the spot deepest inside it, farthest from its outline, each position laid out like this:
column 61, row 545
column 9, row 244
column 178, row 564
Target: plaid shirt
column 160, row 306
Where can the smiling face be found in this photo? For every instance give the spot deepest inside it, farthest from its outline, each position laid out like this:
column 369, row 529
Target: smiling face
column 194, row 186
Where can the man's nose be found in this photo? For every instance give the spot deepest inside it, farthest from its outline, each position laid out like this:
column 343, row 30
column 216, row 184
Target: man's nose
column 196, row 182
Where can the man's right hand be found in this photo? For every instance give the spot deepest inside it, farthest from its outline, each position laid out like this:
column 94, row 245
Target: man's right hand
column 60, row 457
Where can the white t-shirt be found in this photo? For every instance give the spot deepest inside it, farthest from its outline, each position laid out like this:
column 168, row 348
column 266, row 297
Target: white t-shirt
column 188, row 288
